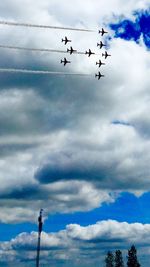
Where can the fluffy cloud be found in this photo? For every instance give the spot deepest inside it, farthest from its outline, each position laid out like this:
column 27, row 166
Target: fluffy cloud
column 23, row 202
column 60, row 144
column 86, row 156
column 78, row 244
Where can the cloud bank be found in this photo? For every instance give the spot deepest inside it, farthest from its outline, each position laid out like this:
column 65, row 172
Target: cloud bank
column 77, row 244
column 60, row 145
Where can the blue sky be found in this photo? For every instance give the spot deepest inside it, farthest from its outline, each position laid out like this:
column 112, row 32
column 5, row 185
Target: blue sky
column 75, row 146
column 127, row 208
column 133, row 29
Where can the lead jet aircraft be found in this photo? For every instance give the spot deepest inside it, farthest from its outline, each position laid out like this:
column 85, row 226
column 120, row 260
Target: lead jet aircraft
column 65, row 61
column 66, row 40
column 102, row 31
column 99, row 75
column 89, row 53
column 101, row 44
column 106, row 55
column 71, row 50
column 100, row 63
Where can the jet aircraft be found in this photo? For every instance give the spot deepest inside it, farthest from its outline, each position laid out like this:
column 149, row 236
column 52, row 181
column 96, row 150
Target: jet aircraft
column 65, row 61
column 101, row 44
column 71, row 50
column 99, row 75
column 102, row 31
column 66, row 40
column 100, row 63
column 106, row 55
column 89, row 53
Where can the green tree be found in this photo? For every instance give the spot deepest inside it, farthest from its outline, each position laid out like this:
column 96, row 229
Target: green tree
column 109, row 260
column 132, row 257
column 118, row 259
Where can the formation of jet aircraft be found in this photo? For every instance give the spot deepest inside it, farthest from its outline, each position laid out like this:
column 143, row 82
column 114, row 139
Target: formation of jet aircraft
column 89, row 53
column 99, row 75
column 105, row 55
column 102, row 31
column 71, row 50
column 65, row 61
column 100, row 44
column 100, row 63
column 65, row 40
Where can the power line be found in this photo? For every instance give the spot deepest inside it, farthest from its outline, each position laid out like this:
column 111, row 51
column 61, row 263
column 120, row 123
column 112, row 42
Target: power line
column 27, row 71
column 9, row 23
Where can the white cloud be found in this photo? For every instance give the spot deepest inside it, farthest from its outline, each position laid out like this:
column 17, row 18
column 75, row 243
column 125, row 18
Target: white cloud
column 79, row 243
column 22, row 203
column 66, row 122
column 109, row 230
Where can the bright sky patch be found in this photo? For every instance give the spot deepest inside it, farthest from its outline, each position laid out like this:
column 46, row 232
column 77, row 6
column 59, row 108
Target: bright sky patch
column 133, row 30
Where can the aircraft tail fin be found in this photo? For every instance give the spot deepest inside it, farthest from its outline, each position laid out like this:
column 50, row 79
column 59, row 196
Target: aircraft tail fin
column 97, row 44
column 61, row 61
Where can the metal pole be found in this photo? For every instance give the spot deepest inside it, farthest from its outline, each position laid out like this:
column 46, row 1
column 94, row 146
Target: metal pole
column 39, row 237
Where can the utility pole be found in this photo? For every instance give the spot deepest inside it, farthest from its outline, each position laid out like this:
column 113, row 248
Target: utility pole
column 39, row 237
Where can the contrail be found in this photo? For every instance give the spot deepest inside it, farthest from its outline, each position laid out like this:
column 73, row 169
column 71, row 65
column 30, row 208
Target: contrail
column 40, row 49
column 13, row 70
column 84, row 53
column 32, row 49
column 81, row 53
column 43, row 26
